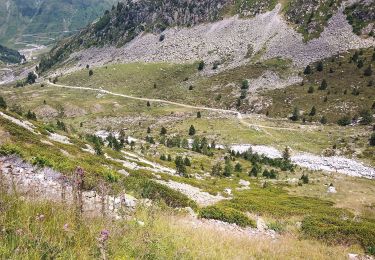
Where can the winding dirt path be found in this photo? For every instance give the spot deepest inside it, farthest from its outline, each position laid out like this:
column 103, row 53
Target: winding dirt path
column 226, row 111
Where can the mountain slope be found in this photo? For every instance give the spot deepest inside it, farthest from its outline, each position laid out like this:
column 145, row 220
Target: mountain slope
column 187, row 32
column 42, row 17
column 10, row 56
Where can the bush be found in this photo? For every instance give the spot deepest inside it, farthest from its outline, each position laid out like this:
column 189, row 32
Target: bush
column 296, row 115
column 339, row 231
column 91, row 72
column 368, row 71
column 155, row 191
column 366, row 117
column 319, row 67
column 31, row 78
column 8, row 149
column 201, row 65
column 161, row 38
column 344, row 121
column 228, row 215
column 323, row 120
column 41, row 162
column 245, row 84
column 192, row 130
column 307, row 70
column 324, row 85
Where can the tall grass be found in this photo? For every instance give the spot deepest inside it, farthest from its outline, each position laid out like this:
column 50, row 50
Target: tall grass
column 43, row 230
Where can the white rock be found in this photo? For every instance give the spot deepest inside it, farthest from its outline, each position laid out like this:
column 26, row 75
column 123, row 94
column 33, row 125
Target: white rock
column 244, row 183
column 331, row 189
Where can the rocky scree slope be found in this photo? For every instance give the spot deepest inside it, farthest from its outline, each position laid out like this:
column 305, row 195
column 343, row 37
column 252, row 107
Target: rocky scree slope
column 186, row 31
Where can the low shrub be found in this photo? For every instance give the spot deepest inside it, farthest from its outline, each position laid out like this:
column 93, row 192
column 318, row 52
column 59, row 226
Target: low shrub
column 152, row 190
column 229, row 215
column 8, row 149
column 341, row 231
column 41, row 162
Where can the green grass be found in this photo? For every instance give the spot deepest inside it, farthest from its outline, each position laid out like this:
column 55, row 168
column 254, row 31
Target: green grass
column 310, row 17
column 341, row 82
column 153, row 80
column 228, row 215
column 166, row 235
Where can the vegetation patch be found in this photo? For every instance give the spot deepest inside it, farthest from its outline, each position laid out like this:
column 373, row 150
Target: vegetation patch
column 228, row 215
column 341, row 231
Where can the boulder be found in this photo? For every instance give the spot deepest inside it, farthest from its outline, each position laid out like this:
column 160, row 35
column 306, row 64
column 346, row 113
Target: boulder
column 331, row 189
column 244, row 183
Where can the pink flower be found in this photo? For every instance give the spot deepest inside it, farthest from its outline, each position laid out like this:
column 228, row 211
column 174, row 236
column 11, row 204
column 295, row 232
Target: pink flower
column 66, row 227
column 104, row 235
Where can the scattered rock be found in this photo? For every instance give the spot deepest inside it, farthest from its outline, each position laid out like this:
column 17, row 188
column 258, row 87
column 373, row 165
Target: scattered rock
column 331, row 189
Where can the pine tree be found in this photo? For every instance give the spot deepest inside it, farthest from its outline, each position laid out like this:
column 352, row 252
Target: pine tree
column 323, row 120
column 245, row 84
column 148, row 130
column 319, row 67
column 148, row 104
column 372, row 139
column 180, row 166
column 305, row 178
column 368, row 71
column 228, row 169
column 191, row 130
column 238, row 167
column 313, row 111
column 367, row 117
column 355, row 56
column 163, row 131
column 307, row 70
column 296, row 114
column 255, row 170
column 91, row 72
column 187, row 162
column 201, row 65
column 199, row 114
column 323, row 85
column 217, row 170
column 98, row 148
column 3, row 104
column 311, row 90
column 360, row 64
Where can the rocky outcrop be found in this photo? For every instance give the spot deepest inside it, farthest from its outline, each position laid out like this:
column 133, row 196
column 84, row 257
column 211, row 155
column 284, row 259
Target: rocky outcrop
column 227, row 42
column 46, row 184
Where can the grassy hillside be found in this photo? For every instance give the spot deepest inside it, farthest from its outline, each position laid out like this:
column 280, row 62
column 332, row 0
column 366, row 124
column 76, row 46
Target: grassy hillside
column 165, row 235
column 349, row 89
column 281, row 203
